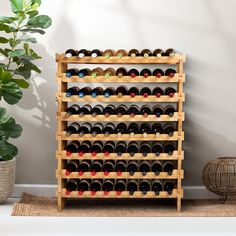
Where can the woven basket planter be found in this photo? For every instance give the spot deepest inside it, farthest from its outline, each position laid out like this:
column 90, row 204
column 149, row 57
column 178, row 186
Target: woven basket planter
column 7, row 178
column 219, row 177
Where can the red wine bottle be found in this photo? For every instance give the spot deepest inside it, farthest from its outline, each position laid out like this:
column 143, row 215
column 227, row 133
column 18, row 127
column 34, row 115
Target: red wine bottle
column 157, row 53
column 96, row 148
column 73, row 128
column 109, row 92
column 83, row 53
column 72, row 147
column 157, row 110
column 120, row 72
column 132, row 186
column 84, row 166
column 133, row 91
column 108, row 186
column 146, row 53
column 120, row 186
column 121, row 128
column 84, row 91
column 168, row 186
column 158, row 92
column 157, row 129
column 121, row 91
column 109, row 72
column 108, row 53
column 156, row 167
column 145, row 148
column 71, row 185
column 157, row 187
column 97, row 110
column 145, row 73
column 134, row 53
column 96, row 167
column 133, row 110
column 145, row 91
column 168, row 167
column 71, row 53
column 71, row 166
column 121, row 110
column 84, row 72
column 95, row 186
column 133, row 73
column 170, row 91
column 85, row 128
column 133, row 148
column 109, row 110
column 144, row 186
column 169, row 110
column 169, row 148
column 84, row 148
column 72, row 110
column 108, row 148
column 96, row 92
column 72, row 91
column 170, row 52
column 109, row 129
column 72, row 72
column 121, row 53
column 157, row 148
column 97, row 129
column 120, row 167
column 158, row 73
column 109, row 166
column 120, row 148
column 169, row 129
column 97, row 72
column 96, row 53
column 132, row 129
column 144, row 167
column 132, row 167
column 170, row 72
column 145, row 129
column 145, row 110
column 83, row 186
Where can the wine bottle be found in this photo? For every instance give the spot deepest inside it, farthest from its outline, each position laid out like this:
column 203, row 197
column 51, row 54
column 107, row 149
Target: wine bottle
column 158, row 92
column 158, row 73
column 120, row 129
column 97, row 110
column 121, row 91
column 144, row 167
column 109, row 110
column 96, row 92
column 157, row 187
column 95, row 186
column 168, row 186
column 157, row 129
column 120, row 72
column 109, row 166
column 71, row 166
column 71, row 185
column 71, row 53
column 84, row 72
column 96, row 148
column 132, row 167
column 84, row 166
column 85, row 128
column 109, row 72
column 144, row 186
column 109, row 92
column 146, row 53
column 170, row 91
column 97, row 72
column 157, row 110
column 156, row 167
column 133, row 73
column 72, row 110
column 133, row 91
column 145, row 91
column 145, row 72
column 145, row 148
column 133, row 53
column 133, row 110
column 84, row 91
column 72, row 72
column 73, row 128
column 169, row 148
column 132, row 129
column 157, row 148
column 95, row 167
column 132, row 186
column 97, row 129
column 121, row 110
column 109, row 129
column 132, row 148
column 84, row 110
column 170, row 52
column 120, row 148
column 157, row 53
column 96, row 53
column 121, row 53
column 120, row 186
column 83, row 185
column 108, row 148
column 168, row 167
column 72, row 147
column 84, row 148
column 170, row 72
column 83, row 53
column 72, row 91
column 169, row 129
column 145, row 110
column 145, row 129
column 169, row 110
column 120, row 167
column 107, row 186
column 108, row 53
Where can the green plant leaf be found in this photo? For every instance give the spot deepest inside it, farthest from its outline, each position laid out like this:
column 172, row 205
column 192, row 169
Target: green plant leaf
column 5, row 28
column 36, row 1
column 31, row 40
column 32, row 30
column 2, row 65
column 41, row 21
column 7, row 150
column 16, row 53
column 7, row 20
column 22, row 83
column 17, row 5
column 3, row 40
column 32, row 13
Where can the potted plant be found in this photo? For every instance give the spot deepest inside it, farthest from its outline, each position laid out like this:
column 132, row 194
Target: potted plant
column 16, row 67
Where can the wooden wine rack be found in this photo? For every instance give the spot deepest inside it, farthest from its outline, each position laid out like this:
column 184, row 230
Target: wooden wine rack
column 62, row 122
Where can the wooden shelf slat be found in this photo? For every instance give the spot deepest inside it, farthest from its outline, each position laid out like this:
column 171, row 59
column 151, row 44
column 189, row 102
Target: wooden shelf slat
column 114, row 137
column 125, row 156
column 124, row 194
column 124, row 175
column 124, row 79
column 124, row 118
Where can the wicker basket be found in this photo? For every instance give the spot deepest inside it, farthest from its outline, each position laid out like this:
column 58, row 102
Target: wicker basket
column 7, row 178
column 219, row 176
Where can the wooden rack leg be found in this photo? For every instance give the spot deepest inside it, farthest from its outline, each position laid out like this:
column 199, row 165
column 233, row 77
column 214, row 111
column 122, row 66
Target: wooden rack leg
column 179, row 203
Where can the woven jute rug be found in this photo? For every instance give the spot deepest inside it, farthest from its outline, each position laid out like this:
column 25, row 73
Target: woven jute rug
column 31, row 205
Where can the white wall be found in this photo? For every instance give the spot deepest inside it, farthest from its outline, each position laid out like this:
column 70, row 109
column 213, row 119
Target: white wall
column 204, row 30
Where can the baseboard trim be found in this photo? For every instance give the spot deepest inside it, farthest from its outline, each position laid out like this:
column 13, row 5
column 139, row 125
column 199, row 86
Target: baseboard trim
column 190, row 192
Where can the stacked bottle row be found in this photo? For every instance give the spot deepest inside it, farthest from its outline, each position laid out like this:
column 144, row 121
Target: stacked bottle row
column 170, row 52
column 119, row 92
column 120, row 72
column 121, row 128
column 120, row 185
column 119, row 148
